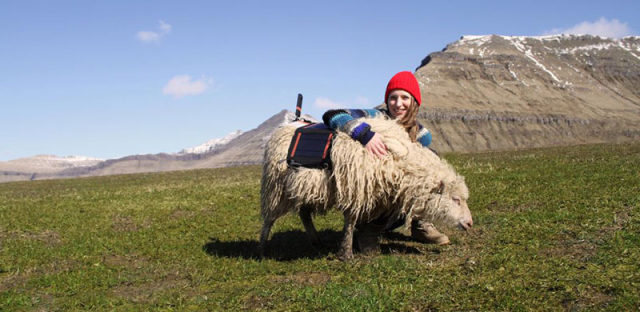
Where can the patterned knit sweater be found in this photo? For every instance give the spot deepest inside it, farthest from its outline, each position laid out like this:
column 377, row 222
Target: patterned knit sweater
column 348, row 121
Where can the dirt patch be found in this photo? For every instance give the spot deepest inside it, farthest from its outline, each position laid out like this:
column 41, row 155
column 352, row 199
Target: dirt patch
column 126, row 224
column 620, row 219
column 123, row 224
column 19, row 279
column 13, row 281
column 148, row 291
column 47, row 237
column 207, row 211
column 42, row 302
column 127, row 261
column 590, row 300
column 257, row 303
column 58, row 266
column 426, row 307
column 182, row 214
column 305, row 278
column 581, row 250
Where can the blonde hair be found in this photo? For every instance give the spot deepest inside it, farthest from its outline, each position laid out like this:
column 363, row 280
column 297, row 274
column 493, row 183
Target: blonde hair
column 409, row 120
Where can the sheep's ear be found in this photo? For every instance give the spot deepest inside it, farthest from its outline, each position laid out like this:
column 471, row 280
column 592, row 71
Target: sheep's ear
column 439, row 189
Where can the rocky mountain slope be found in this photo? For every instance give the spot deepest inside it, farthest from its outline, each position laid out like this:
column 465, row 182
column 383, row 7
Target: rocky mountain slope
column 480, row 93
column 238, row 148
column 49, row 163
column 28, row 168
column 499, row 92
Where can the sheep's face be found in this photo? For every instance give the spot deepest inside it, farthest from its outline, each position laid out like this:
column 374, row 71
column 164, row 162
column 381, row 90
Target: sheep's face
column 450, row 202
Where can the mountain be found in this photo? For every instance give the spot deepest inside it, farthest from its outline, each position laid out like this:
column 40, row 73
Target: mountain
column 500, row 92
column 26, row 168
column 212, row 144
column 479, row 93
column 48, row 163
column 248, row 148
column 237, row 148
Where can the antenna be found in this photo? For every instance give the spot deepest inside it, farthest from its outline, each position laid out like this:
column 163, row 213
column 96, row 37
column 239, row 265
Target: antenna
column 299, row 106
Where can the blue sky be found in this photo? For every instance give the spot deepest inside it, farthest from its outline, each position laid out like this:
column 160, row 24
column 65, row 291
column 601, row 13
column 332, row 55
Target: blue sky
column 108, row 79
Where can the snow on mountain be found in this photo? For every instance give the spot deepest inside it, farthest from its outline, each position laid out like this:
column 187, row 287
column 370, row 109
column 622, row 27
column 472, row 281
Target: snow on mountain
column 48, row 163
column 474, row 42
column 290, row 116
column 211, row 144
column 72, row 161
column 531, row 91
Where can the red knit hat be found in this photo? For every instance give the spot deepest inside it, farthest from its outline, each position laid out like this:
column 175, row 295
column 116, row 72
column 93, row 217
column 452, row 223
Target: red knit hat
column 406, row 81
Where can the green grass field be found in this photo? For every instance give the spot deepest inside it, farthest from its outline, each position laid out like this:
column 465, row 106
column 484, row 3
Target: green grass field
column 555, row 229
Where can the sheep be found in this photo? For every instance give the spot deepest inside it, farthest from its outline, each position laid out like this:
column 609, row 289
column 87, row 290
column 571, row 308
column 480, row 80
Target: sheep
column 410, row 181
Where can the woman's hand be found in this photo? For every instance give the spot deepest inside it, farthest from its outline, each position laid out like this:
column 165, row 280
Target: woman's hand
column 376, row 146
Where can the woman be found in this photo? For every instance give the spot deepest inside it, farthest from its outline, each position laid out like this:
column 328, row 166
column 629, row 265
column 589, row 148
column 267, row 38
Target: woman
column 403, row 99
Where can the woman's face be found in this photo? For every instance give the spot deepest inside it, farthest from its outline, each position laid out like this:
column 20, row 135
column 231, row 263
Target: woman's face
column 399, row 102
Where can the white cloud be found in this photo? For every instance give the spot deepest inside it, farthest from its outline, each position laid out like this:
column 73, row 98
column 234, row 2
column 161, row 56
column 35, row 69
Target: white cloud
column 362, row 101
column 148, row 36
column 154, row 36
column 602, row 27
column 164, row 27
column 326, row 103
column 182, row 85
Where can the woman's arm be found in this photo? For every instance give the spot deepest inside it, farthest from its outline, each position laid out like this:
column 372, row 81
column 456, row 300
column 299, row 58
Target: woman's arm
column 423, row 136
column 347, row 121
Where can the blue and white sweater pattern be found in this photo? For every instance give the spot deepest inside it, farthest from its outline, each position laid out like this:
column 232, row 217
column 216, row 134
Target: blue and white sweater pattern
column 348, row 121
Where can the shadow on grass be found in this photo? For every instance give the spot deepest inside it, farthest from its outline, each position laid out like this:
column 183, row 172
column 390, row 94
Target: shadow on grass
column 282, row 246
column 395, row 236
column 293, row 245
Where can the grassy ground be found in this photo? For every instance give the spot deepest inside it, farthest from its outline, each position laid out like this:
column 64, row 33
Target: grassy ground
column 555, row 229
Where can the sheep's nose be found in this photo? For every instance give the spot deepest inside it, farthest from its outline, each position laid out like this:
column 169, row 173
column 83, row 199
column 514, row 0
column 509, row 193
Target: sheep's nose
column 470, row 223
column 466, row 224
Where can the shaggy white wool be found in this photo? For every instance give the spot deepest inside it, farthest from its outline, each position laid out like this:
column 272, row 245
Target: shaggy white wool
column 411, row 180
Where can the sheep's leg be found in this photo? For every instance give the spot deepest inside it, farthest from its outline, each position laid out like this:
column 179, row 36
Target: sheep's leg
column 346, row 246
column 307, row 221
column 264, row 235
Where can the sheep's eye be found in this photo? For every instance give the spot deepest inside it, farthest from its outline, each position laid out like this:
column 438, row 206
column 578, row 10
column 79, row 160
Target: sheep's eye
column 456, row 199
